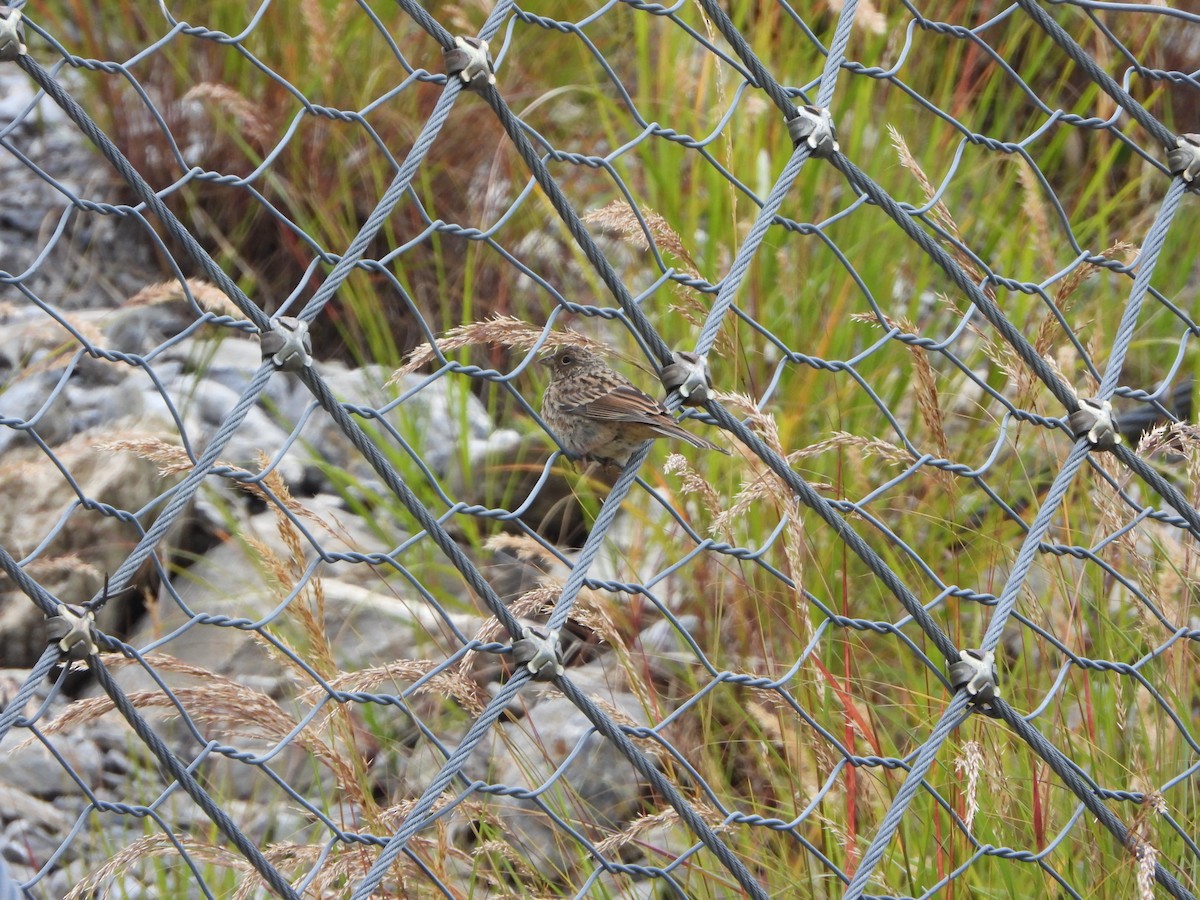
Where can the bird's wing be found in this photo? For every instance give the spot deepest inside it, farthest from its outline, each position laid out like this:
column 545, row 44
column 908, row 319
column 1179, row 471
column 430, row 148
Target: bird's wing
column 625, row 404
column 630, row 405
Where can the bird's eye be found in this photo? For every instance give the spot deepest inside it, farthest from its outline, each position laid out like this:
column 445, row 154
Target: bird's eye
column 565, row 359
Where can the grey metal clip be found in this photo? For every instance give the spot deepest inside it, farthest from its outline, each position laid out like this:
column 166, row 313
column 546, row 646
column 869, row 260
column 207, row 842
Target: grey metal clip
column 12, row 34
column 540, row 652
column 813, row 125
column 471, row 61
column 288, row 344
column 688, row 374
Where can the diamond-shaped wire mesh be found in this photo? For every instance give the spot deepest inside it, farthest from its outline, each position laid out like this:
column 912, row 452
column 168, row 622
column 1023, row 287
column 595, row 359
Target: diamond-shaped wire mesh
column 275, row 280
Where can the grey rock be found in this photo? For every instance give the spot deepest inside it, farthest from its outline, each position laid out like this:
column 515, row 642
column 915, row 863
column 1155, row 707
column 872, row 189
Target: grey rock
column 40, row 774
column 23, row 842
column 77, row 545
column 597, row 791
column 666, row 652
column 119, row 258
column 31, row 400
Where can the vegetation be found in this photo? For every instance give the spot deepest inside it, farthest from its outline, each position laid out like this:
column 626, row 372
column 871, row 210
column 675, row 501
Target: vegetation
column 828, row 292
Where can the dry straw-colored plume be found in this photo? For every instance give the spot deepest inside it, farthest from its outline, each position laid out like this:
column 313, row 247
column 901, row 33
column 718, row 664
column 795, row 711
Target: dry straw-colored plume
column 506, row 331
column 252, row 123
column 469, row 694
column 620, row 218
column 929, row 404
column 156, row 845
column 207, row 295
column 172, row 459
column 692, row 482
column 996, row 350
column 867, row 16
column 941, row 213
column 635, row 829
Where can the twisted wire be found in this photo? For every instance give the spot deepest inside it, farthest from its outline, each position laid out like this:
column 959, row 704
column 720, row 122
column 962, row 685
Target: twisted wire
column 835, row 514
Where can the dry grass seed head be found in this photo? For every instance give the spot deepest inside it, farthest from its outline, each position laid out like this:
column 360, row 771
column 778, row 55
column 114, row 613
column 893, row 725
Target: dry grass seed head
column 394, row 816
column 354, row 861
column 885, row 451
column 693, row 309
column 1036, row 221
column 929, row 404
column 1067, row 288
column 589, row 611
column 761, row 422
column 694, row 483
column 809, row 757
column 281, row 856
column 1056, row 364
column 620, row 218
column 172, row 458
column 155, row 845
column 794, row 548
column 867, row 16
column 57, row 352
column 525, row 874
column 218, row 702
column 522, row 546
column 322, row 34
column 84, row 711
column 1063, row 299
column 1178, row 582
column 448, row 683
column 538, row 599
column 252, row 123
column 207, row 295
column 507, row 331
column 1130, row 546
column 310, row 617
column 941, row 212
column 276, row 494
column 970, row 764
column 766, row 483
column 634, row 830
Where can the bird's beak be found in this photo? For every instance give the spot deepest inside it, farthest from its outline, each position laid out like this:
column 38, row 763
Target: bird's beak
column 545, row 360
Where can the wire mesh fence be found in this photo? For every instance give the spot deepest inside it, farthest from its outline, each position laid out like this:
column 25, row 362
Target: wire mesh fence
column 304, row 598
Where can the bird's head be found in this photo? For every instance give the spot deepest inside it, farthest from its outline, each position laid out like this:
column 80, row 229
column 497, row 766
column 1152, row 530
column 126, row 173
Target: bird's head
column 565, row 360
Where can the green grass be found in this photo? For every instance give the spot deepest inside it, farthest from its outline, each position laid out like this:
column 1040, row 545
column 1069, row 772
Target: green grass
column 866, row 688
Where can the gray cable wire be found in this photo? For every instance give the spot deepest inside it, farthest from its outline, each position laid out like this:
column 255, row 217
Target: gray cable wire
column 1062, row 392
column 831, row 513
column 1157, row 130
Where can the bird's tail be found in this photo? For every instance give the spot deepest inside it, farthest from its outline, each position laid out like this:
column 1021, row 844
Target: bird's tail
column 683, row 434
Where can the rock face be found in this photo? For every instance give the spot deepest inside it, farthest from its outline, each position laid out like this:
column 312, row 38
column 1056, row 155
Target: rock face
column 31, row 208
column 276, row 630
column 76, row 526
column 249, row 604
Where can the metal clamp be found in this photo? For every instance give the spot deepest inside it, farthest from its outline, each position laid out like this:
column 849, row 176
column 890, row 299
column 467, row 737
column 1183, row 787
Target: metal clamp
column 74, row 629
column 1184, row 159
column 1095, row 420
column 688, row 374
column 12, row 34
column 540, row 652
column 813, row 125
column 975, row 670
column 288, row 344
column 471, row 61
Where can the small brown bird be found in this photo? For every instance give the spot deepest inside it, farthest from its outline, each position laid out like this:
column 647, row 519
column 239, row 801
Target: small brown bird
column 598, row 414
